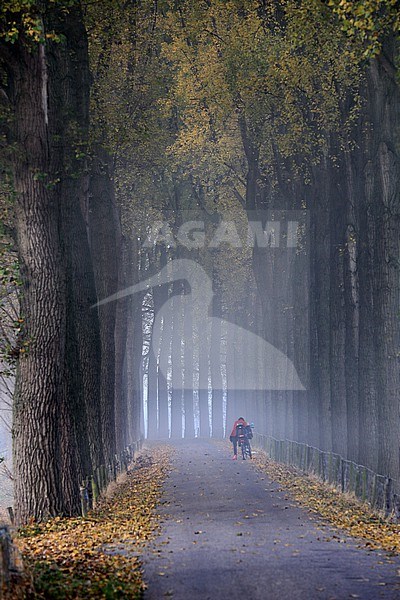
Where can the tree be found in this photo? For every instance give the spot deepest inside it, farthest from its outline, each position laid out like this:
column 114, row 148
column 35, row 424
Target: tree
column 47, row 132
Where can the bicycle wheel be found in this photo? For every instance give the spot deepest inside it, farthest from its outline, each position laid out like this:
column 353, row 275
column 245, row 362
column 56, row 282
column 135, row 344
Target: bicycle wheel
column 243, row 446
column 248, row 449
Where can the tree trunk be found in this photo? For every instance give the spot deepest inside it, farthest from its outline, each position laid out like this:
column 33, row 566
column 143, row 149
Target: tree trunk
column 215, row 369
column 103, row 241
column 351, row 299
column 384, row 100
column 49, row 99
column 188, row 373
column 204, row 421
column 152, row 401
column 36, row 455
column 321, row 255
column 337, row 206
column 120, row 340
column 177, row 366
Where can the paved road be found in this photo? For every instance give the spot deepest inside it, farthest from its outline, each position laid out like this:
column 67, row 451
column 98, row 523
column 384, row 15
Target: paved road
column 228, row 532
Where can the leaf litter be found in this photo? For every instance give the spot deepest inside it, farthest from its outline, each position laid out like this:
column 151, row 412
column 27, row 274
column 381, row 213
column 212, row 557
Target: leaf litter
column 341, row 510
column 98, row 556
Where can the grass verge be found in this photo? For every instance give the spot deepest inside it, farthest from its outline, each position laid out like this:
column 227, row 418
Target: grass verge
column 343, row 511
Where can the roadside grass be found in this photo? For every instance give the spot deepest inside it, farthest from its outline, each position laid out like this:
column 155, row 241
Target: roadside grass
column 98, row 556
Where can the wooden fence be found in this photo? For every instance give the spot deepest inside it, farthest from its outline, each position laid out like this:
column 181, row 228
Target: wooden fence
column 93, row 486
column 379, row 491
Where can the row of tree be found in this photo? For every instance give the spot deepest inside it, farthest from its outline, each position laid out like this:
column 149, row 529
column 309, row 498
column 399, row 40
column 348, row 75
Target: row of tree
column 75, row 371
column 295, row 106
column 116, row 113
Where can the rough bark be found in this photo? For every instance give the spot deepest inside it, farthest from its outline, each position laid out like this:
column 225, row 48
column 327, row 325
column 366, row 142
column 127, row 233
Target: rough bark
column 45, row 90
column 384, row 98
column 36, row 457
column 103, row 241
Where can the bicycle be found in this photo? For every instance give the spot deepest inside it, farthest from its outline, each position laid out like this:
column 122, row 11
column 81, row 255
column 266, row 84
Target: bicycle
column 244, row 444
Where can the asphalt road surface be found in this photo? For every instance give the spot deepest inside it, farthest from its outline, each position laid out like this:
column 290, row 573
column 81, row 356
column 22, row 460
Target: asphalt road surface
column 229, row 532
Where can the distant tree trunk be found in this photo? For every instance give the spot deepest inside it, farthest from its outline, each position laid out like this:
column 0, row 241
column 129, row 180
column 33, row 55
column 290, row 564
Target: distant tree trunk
column 313, row 437
column 160, row 297
column 163, row 397
column 215, row 368
column 203, row 381
column 262, row 418
column 177, row 366
column 301, row 318
column 120, row 341
column 134, row 372
column 289, row 342
column 163, row 393
column 338, row 210
column 368, row 401
column 188, row 367
column 231, row 381
column 321, row 254
column 152, row 399
column 103, row 238
column 134, row 347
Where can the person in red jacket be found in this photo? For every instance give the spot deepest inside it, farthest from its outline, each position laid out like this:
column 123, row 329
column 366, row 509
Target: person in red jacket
column 233, row 436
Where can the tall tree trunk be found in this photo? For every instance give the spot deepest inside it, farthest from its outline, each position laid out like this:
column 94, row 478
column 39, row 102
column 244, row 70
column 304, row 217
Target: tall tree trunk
column 215, row 368
column 384, row 97
column 103, row 240
column 337, row 205
column 120, row 340
column 351, row 299
column 71, row 126
column 49, row 99
column 204, row 421
column 134, row 347
column 134, row 371
column 162, row 383
column 188, row 373
column 321, row 355
column 152, row 400
column 82, row 368
column 177, row 366
column 36, row 456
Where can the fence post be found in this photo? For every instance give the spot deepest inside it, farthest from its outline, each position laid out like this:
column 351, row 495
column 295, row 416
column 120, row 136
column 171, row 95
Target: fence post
column 11, row 514
column 95, row 489
column 84, row 498
column 388, row 497
column 5, row 556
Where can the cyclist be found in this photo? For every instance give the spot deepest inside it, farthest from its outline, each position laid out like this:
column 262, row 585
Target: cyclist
column 241, row 423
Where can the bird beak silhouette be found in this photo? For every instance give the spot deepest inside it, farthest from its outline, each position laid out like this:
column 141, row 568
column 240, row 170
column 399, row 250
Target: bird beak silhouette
column 176, row 269
column 133, row 289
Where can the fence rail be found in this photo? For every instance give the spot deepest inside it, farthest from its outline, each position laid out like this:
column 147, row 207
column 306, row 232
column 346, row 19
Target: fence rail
column 379, row 491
